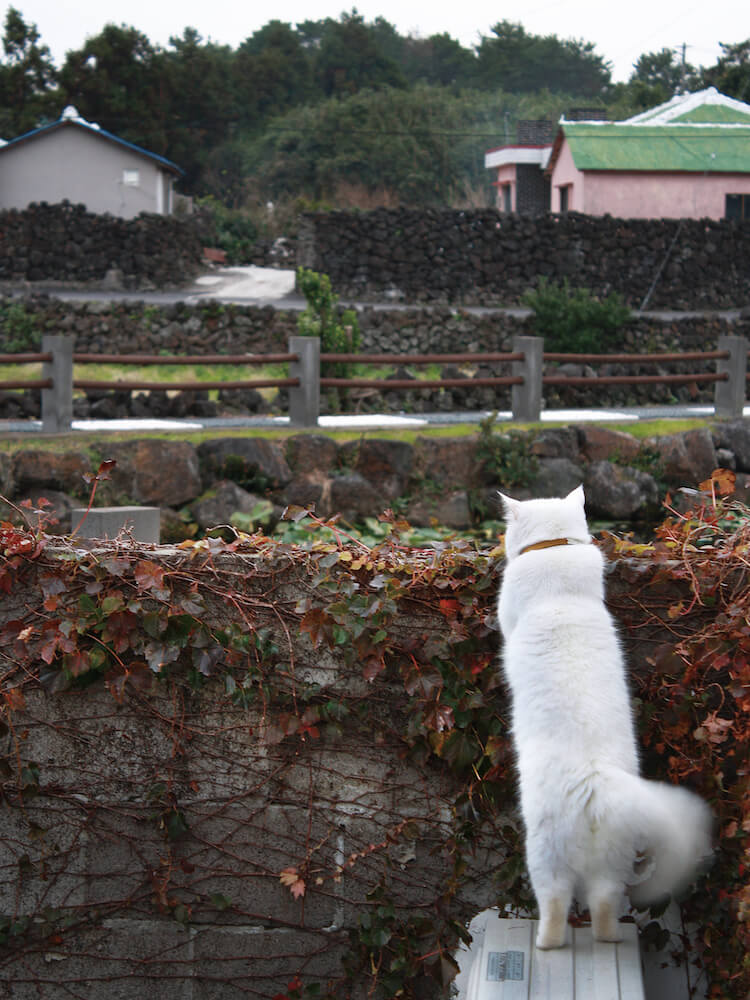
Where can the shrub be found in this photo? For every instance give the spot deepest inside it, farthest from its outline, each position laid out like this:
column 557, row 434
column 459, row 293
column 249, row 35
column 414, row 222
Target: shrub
column 18, row 329
column 235, row 231
column 575, row 321
column 338, row 331
column 505, row 458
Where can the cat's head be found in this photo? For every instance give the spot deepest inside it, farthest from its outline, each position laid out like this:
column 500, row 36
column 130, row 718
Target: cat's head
column 532, row 521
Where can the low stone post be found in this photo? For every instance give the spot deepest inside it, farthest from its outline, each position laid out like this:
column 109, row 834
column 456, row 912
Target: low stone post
column 57, row 402
column 730, row 396
column 142, row 523
column 526, row 399
column 304, row 400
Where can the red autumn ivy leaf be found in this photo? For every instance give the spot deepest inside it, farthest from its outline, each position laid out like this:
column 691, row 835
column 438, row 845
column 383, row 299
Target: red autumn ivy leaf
column 77, row 663
column 160, row 654
column 55, row 641
column 293, row 881
column 206, row 658
column 438, row 717
column 374, row 665
column 292, row 990
column 115, row 565
column 103, row 472
column 449, row 606
column 149, row 575
column 307, row 724
column 714, row 729
column 317, row 623
column 722, row 481
column 14, row 699
column 136, row 674
column 119, row 630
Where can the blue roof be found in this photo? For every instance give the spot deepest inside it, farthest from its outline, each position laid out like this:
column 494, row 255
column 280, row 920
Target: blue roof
column 68, row 119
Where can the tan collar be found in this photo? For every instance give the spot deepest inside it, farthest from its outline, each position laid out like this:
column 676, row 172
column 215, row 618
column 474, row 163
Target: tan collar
column 550, row 543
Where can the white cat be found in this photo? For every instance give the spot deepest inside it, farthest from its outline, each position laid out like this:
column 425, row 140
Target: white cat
column 593, row 826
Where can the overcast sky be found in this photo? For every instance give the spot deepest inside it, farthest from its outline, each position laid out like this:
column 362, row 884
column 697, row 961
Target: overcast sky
column 620, row 31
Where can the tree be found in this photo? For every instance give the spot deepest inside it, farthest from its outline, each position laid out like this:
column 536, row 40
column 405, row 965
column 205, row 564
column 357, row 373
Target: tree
column 518, row 62
column 201, row 110
column 271, row 73
column 731, row 74
column 118, row 79
column 657, row 77
column 348, row 58
column 438, row 59
column 421, row 146
column 27, row 78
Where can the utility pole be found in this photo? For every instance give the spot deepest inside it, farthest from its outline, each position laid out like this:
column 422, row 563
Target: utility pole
column 682, row 72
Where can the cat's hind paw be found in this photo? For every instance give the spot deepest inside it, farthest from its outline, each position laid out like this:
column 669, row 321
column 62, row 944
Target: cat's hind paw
column 552, row 925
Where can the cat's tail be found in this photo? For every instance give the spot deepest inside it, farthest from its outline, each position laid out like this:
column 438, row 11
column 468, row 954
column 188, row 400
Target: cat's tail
column 671, row 830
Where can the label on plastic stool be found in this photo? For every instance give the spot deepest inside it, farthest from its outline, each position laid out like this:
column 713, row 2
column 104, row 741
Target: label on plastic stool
column 502, row 965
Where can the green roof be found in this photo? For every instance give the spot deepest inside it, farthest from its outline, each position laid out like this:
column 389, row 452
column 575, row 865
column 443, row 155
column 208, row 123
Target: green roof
column 716, row 114
column 597, row 146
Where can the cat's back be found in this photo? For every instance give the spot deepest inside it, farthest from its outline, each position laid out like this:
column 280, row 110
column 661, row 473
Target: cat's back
column 553, row 585
column 563, row 661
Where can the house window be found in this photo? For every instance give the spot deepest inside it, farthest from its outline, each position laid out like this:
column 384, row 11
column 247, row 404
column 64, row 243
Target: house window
column 565, row 198
column 737, row 206
column 131, row 178
column 506, row 198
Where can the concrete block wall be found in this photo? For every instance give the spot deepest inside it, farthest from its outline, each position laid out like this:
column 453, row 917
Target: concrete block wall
column 144, row 855
column 156, row 840
column 147, row 847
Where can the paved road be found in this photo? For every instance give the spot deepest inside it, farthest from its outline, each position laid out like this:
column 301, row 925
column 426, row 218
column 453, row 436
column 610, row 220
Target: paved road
column 266, row 286
column 369, row 421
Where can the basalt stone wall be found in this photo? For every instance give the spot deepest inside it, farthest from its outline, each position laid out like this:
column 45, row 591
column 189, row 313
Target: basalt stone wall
column 65, row 243
column 212, row 327
column 481, row 256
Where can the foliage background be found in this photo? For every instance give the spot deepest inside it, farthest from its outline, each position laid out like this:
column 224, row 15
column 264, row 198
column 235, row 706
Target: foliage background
column 347, row 111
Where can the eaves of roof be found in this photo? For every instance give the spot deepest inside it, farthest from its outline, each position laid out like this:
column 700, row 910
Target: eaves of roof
column 703, row 105
column 95, row 131
column 517, row 154
column 677, row 147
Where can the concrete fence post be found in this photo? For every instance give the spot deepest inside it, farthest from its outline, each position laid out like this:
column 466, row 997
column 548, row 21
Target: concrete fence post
column 143, row 523
column 57, row 402
column 526, row 399
column 730, row 396
column 304, row 400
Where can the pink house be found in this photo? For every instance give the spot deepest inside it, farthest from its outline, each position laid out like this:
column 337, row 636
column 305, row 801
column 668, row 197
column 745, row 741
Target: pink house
column 687, row 158
column 521, row 183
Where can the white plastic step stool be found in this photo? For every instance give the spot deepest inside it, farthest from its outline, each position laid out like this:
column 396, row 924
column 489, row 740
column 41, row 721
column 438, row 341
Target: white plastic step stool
column 504, row 964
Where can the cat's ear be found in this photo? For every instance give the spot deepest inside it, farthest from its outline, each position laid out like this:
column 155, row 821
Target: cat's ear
column 576, row 495
column 511, row 506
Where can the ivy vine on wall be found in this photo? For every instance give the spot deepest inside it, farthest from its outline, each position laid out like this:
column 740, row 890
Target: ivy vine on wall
column 313, row 647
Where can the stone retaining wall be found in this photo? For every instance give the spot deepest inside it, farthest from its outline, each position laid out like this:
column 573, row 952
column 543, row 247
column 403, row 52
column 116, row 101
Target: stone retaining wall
column 481, row 256
column 212, row 327
column 249, row 480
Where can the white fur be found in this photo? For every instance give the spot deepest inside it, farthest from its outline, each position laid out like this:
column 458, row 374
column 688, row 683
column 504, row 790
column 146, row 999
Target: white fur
column 589, row 817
